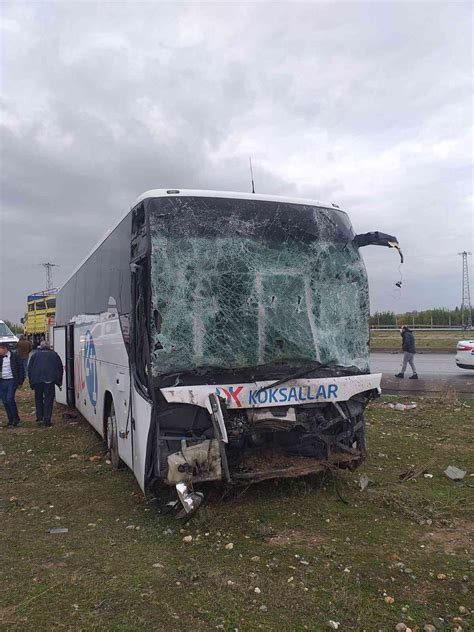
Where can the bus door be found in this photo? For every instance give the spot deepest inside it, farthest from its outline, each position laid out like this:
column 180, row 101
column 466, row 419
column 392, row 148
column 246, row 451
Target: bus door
column 64, row 347
column 60, row 348
column 70, row 395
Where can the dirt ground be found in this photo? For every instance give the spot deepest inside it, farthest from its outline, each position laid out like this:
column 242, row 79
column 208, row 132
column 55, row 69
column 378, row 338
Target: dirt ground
column 304, row 552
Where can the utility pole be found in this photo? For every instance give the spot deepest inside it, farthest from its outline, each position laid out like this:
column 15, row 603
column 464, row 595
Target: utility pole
column 466, row 309
column 49, row 274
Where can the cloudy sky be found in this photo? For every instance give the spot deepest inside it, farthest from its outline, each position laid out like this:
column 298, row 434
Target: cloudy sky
column 367, row 105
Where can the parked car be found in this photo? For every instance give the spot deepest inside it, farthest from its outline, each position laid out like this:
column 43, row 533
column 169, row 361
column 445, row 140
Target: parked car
column 6, row 335
column 465, row 354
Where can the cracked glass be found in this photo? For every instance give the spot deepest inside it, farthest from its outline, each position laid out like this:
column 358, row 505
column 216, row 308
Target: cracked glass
column 244, row 283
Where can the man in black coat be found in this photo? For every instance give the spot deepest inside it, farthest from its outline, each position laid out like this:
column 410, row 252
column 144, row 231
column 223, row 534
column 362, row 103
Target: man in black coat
column 408, row 348
column 12, row 375
column 45, row 370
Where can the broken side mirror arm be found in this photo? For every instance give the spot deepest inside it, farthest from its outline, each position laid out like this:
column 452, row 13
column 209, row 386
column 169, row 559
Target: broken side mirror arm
column 377, row 238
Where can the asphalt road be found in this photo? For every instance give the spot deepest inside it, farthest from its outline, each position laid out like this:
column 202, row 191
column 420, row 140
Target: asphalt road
column 428, row 366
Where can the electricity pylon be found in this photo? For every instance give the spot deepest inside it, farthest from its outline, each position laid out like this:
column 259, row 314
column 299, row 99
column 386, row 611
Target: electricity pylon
column 49, row 274
column 466, row 309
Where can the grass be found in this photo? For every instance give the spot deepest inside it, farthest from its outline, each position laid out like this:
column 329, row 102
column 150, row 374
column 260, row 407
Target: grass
column 425, row 340
column 123, row 566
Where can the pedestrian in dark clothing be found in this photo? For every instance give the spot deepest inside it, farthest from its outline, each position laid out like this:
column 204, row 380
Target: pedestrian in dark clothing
column 408, row 348
column 12, row 375
column 23, row 348
column 45, row 370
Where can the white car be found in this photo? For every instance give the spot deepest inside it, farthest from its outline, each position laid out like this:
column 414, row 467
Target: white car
column 465, row 354
column 6, row 335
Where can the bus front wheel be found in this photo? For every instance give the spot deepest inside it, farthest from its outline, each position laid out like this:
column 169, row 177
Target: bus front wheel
column 112, row 438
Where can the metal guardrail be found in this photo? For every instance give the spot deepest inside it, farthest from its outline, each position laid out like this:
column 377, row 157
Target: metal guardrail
column 421, row 328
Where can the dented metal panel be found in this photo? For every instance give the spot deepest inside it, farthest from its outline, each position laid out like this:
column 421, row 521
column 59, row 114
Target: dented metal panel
column 262, row 395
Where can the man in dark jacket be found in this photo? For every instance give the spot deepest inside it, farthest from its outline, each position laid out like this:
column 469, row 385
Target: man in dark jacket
column 408, row 348
column 12, row 375
column 45, row 370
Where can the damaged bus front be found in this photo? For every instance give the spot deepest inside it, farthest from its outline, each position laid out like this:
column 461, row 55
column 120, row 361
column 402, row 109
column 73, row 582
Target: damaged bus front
column 256, row 319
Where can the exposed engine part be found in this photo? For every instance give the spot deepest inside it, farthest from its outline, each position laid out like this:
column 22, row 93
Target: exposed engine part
column 273, row 419
column 200, row 461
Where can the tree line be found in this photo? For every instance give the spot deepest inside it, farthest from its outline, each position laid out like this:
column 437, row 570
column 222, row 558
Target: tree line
column 437, row 317
column 16, row 329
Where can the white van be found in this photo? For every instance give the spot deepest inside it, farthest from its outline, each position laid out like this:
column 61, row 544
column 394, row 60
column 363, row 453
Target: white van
column 6, row 335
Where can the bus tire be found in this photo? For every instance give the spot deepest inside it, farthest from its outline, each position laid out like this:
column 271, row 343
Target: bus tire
column 112, row 438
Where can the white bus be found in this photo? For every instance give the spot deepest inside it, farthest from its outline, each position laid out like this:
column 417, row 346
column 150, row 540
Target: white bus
column 221, row 336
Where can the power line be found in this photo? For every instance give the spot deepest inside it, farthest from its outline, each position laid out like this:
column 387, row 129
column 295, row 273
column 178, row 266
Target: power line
column 466, row 309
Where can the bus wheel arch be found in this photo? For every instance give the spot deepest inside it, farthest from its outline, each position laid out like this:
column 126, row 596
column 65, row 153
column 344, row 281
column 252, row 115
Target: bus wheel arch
column 111, row 431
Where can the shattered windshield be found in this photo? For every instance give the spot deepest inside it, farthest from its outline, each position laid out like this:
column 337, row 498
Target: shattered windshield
column 244, row 283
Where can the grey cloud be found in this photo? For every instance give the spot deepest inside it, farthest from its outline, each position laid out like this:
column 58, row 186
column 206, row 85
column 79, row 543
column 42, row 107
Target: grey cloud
column 362, row 104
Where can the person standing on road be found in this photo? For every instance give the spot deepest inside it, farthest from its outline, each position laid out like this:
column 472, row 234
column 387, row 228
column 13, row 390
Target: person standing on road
column 12, row 375
column 45, row 370
column 408, row 348
column 23, row 349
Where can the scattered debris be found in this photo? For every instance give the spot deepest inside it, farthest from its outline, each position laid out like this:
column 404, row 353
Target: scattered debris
column 454, row 473
column 96, row 457
column 69, row 416
column 58, row 530
column 400, row 627
column 74, row 456
column 364, row 482
column 441, row 576
column 255, row 558
column 408, row 475
column 229, row 546
column 334, row 625
column 462, row 610
column 257, row 590
column 400, row 407
column 188, row 538
column 389, row 599
column 426, row 475
column 428, row 627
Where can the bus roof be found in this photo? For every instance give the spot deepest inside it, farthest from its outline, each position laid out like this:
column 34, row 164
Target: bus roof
column 155, row 193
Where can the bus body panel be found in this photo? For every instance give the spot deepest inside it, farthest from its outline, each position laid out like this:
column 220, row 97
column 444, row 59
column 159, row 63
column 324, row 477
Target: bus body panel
column 141, row 419
column 102, row 371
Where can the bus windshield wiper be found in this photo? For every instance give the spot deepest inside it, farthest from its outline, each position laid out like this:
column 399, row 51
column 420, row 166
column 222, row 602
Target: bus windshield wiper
column 302, row 373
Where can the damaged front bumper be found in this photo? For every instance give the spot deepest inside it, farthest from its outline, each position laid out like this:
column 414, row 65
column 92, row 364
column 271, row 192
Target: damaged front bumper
column 266, row 430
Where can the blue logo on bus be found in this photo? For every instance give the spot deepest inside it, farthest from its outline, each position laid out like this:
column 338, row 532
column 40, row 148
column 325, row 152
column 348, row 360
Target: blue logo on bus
column 90, row 367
